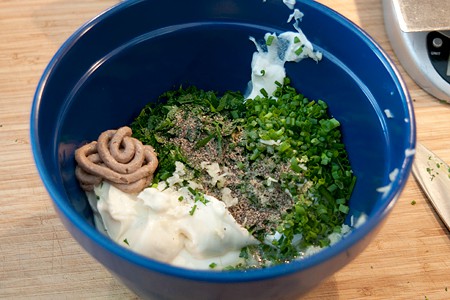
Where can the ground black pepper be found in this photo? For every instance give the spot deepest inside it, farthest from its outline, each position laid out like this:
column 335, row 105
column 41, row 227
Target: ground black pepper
column 261, row 202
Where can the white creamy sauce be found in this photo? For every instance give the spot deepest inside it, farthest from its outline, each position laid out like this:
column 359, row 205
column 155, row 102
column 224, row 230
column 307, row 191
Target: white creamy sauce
column 289, row 3
column 269, row 59
column 296, row 15
column 410, row 152
column 388, row 113
column 387, row 188
column 157, row 224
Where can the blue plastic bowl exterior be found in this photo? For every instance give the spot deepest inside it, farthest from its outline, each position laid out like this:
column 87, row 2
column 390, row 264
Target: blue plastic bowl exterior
column 112, row 66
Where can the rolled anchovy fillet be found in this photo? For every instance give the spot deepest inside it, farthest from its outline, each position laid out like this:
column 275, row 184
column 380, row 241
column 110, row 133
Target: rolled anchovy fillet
column 119, row 151
column 134, row 187
column 117, row 158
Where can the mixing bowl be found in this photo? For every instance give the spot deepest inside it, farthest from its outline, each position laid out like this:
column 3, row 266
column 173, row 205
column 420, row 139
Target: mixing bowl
column 110, row 68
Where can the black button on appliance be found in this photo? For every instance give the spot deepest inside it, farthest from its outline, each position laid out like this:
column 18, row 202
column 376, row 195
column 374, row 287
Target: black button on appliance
column 438, row 46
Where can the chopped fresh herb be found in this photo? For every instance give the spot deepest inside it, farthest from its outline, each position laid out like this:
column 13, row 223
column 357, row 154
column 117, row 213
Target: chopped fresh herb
column 296, row 40
column 282, row 154
column 126, row 242
column 432, row 173
column 263, row 72
column 181, row 198
column 264, row 92
column 192, row 211
column 212, row 265
column 198, row 196
column 269, row 40
column 413, row 202
column 299, row 51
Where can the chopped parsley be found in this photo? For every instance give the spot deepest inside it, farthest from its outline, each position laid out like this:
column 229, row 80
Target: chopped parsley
column 435, row 172
column 212, row 265
column 284, row 156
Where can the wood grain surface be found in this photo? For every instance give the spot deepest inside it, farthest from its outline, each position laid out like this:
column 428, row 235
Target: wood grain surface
column 409, row 259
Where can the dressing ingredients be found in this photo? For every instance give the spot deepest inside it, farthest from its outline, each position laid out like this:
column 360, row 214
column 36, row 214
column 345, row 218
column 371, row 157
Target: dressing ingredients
column 174, row 222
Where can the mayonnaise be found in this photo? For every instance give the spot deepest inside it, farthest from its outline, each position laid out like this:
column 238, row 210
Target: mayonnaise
column 269, row 59
column 170, row 226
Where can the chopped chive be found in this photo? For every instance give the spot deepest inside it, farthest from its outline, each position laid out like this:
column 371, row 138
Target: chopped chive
column 344, row 208
column 192, row 211
column 268, row 132
column 269, row 40
column 264, row 93
column 299, row 51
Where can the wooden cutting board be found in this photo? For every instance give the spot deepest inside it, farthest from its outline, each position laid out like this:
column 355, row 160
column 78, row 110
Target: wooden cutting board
column 409, row 259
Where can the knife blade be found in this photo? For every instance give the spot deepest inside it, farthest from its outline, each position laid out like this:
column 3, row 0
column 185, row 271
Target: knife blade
column 433, row 175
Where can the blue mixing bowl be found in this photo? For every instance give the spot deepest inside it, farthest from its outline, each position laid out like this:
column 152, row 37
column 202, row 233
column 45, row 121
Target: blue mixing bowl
column 109, row 69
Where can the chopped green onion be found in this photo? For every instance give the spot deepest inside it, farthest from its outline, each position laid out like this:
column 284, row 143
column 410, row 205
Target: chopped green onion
column 299, row 51
column 343, row 208
column 264, row 93
column 192, row 211
column 269, row 40
column 288, row 137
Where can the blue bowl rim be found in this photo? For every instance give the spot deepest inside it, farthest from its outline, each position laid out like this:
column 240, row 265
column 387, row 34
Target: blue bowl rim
column 210, row 275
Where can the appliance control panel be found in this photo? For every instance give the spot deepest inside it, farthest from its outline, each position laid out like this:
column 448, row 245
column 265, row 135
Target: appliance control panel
column 419, row 33
column 438, row 45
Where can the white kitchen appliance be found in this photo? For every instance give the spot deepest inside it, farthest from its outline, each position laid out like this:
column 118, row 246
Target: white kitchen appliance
column 419, row 32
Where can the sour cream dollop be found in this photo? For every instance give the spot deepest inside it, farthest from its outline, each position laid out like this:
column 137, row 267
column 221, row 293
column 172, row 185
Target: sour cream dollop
column 269, row 59
column 164, row 225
